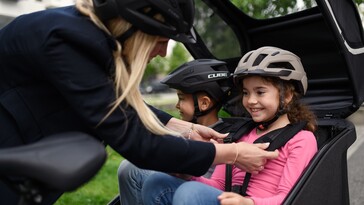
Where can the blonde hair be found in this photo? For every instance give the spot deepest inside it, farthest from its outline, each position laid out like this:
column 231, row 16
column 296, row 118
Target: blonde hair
column 130, row 64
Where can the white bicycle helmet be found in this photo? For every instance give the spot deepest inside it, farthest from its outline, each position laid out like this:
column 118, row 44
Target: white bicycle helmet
column 273, row 62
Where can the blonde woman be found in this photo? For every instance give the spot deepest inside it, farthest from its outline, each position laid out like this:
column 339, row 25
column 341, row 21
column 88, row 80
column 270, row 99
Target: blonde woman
column 78, row 68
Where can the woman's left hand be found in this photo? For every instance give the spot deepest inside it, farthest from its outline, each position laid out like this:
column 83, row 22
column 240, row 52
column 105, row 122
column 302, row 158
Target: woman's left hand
column 203, row 133
column 195, row 132
column 231, row 198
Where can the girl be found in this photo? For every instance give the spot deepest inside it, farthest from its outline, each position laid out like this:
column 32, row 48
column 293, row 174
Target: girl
column 272, row 81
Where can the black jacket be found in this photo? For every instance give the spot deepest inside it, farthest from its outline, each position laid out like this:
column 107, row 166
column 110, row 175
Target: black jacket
column 55, row 70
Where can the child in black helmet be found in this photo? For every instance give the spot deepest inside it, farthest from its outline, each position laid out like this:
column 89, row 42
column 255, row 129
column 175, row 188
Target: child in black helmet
column 272, row 81
column 202, row 86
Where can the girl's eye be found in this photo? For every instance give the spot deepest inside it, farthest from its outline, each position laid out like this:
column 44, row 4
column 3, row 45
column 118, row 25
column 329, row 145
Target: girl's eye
column 245, row 93
column 180, row 97
column 260, row 92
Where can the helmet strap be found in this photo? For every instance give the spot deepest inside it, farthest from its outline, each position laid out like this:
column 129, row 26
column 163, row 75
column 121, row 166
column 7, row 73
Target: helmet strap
column 264, row 125
column 197, row 112
column 126, row 34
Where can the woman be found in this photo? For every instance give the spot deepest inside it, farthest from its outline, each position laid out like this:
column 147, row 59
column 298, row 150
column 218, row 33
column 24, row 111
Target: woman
column 78, row 68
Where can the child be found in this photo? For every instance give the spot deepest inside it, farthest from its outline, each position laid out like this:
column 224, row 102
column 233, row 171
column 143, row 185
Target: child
column 272, row 81
column 201, row 85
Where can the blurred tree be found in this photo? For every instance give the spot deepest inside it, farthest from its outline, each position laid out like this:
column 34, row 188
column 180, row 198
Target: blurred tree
column 262, row 9
column 163, row 65
column 156, row 66
column 179, row 56
column 207, row 21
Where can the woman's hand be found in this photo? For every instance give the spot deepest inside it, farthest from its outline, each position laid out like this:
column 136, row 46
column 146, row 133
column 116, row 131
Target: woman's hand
column 231, row 198
column 195, row 132
column 203, row 133
column 253, row 157
column 248, row 157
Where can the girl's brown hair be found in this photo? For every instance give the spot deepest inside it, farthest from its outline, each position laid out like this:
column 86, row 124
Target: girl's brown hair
column 295, row 109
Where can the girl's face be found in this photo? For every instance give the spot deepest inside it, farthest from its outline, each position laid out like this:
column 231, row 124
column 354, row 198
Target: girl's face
column 260, row 98
column 185, row 105
column 160, row 48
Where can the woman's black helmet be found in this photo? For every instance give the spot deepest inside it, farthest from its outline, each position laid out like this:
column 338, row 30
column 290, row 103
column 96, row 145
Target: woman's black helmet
column 206, row 75
column 177, row 16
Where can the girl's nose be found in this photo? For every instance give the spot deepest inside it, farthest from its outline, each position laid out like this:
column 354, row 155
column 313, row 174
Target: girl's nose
column 251, row 99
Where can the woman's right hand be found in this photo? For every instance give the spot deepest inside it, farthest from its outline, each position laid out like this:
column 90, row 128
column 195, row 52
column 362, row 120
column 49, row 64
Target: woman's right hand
column 253, row 157
column 248, row 157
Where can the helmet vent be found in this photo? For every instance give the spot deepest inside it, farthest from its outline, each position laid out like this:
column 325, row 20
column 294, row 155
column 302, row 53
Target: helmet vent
column 275, row 53
column 259, row 59
column 247, row 58
column 285, row 65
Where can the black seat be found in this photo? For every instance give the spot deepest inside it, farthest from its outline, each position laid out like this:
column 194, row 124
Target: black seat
column 61, row 162
column 325, row 179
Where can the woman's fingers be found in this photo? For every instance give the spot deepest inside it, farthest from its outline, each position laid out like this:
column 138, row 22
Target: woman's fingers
column 253, row 157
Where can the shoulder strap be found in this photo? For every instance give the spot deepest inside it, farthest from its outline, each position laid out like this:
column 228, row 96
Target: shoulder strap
column 277, row 138
column 280, row 137
column 222, row 127
column 238, row 129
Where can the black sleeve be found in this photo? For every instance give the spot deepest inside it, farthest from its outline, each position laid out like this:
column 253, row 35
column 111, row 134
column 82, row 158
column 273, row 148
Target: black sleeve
column 163, row 116
column 165, row 153
column 75, row 64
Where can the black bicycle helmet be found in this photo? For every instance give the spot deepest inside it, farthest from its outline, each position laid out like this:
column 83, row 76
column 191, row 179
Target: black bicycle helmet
column 206, row 75
column 177, row 16
column 202, row 75
column 273, row 62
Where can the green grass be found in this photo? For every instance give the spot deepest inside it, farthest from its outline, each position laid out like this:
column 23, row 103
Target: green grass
column 101, row 189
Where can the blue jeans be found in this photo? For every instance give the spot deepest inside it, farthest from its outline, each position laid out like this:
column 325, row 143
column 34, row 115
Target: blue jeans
column 163, row 189
column 131, row 179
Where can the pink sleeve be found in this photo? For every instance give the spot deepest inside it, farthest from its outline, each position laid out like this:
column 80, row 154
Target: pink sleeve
column 299, row 150
column 217, row 179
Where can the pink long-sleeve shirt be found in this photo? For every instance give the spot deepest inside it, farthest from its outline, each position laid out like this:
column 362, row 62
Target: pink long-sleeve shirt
column 271, row 185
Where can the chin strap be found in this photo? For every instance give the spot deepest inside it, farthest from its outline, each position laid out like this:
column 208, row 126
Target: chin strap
column 197, row 112
column 264, row 125
column 126, row 34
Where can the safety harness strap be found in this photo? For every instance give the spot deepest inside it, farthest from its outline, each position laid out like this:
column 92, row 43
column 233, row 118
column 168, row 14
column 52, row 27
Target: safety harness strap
column 277, row 139
column 236, row 131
